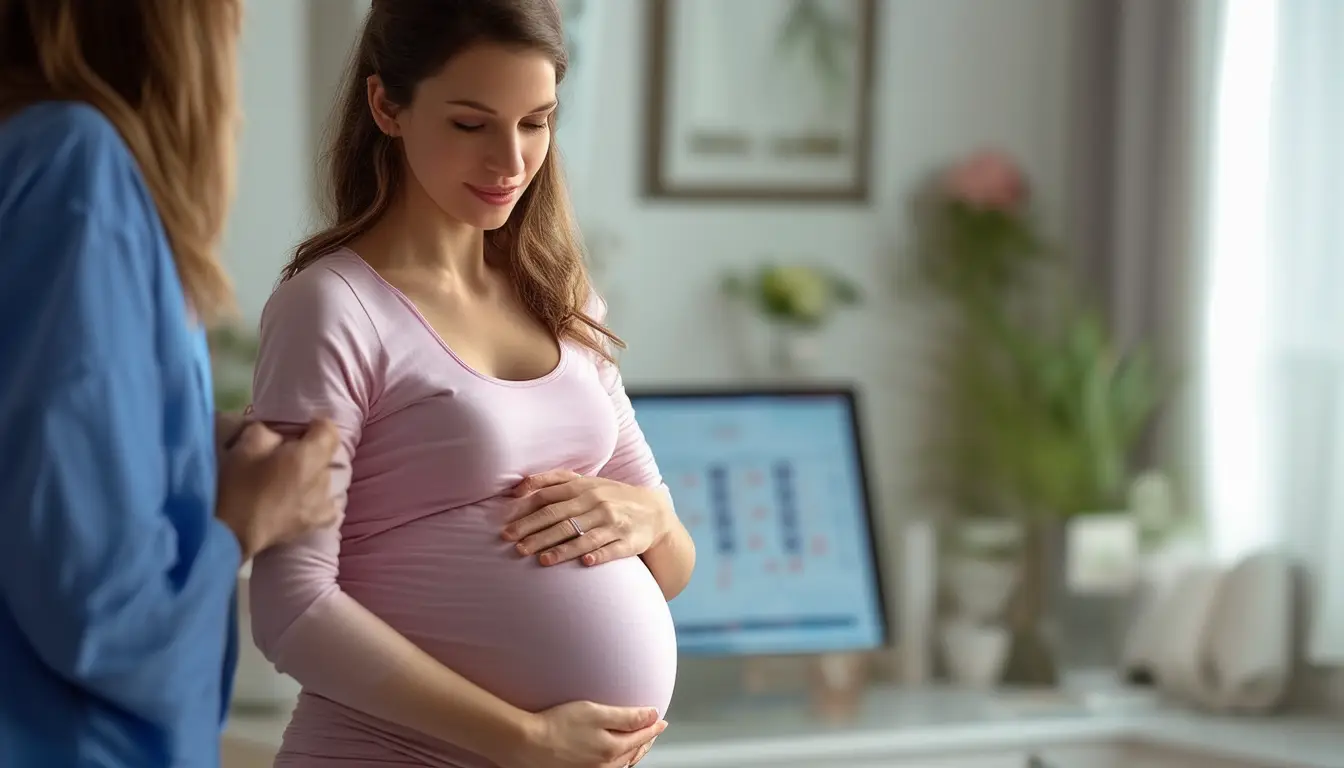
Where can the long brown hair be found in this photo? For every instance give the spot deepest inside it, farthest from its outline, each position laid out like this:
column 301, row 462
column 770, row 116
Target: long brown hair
column 164, row 73
column 405, row 42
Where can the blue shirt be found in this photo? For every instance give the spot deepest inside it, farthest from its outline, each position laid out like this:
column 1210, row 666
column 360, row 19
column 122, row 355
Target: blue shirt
column 117, row 583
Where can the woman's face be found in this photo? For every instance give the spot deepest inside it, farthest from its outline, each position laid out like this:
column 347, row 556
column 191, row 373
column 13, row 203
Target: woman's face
column 476, row 132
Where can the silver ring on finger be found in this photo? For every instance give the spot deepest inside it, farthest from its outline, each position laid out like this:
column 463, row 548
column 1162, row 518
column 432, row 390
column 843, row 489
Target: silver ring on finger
column 578, row 529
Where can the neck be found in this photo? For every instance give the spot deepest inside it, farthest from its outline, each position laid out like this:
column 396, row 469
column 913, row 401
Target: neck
column 415, row 233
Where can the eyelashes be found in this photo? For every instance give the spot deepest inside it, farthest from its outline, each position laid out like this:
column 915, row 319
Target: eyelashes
column 474, row 127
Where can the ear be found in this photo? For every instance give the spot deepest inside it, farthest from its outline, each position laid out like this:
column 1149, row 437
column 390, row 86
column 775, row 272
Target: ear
column 382, row 109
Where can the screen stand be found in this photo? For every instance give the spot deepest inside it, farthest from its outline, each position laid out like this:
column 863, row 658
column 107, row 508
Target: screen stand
column 833, row 685
column 829, row 687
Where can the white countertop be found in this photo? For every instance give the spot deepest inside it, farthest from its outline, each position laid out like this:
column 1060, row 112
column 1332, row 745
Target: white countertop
column 912, row 722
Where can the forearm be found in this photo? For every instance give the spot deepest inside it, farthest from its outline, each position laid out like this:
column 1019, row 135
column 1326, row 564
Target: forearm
column 341, row 650
column 431, row 698
column 671, row 559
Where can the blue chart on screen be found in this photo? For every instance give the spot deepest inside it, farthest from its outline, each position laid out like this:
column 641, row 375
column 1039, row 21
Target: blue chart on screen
column 771, row 487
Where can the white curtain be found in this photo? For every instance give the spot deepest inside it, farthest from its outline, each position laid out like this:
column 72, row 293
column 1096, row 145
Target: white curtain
column 1274, row 327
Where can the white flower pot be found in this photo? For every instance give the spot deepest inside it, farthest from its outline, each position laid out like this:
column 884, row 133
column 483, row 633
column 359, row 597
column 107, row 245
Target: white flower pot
column 981, row 588
column 794, row 351
column 975, row 653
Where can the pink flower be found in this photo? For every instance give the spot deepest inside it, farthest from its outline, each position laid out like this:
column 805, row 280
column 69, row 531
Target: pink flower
column 987, row 181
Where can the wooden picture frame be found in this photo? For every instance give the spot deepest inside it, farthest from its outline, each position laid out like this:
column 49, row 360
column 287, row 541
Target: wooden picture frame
column 760, row 100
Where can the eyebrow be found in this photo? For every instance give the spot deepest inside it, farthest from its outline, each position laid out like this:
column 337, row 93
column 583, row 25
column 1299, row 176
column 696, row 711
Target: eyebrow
column 548, row 106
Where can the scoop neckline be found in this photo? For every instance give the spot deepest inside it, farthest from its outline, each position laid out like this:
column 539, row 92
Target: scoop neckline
column 424, row 322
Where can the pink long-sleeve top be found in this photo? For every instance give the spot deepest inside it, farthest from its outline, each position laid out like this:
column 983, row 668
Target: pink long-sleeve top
column 430, row 449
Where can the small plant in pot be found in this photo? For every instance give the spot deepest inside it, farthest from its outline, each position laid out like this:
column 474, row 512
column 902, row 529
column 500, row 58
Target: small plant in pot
column 981, row 557
column 796, row 301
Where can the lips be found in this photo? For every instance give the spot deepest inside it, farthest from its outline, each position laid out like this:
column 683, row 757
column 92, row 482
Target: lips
column 494, row 195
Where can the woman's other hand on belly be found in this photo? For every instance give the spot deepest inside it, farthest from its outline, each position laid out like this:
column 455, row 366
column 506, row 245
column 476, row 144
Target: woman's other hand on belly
column 563, row 516
column 585, row 735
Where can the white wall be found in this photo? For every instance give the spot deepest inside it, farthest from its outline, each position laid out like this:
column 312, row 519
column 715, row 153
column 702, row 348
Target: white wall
column 952, row 74
column 273, row 200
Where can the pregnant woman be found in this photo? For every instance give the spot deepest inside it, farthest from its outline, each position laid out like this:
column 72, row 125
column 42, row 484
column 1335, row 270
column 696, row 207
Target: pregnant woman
column 496, row 594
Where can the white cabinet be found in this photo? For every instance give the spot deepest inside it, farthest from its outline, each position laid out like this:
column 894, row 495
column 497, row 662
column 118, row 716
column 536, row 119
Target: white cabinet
column 1181, row 741
column 241, row 754
column 976, row 760
column 1099, row 756
column 1071, row 756
column 1168, row 757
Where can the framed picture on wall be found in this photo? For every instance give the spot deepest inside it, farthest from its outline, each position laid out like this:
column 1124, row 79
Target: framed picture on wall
column 760, row 99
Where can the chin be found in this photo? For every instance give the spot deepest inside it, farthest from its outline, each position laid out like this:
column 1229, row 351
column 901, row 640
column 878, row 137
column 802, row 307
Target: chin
column 494, row 221
column 483, row 215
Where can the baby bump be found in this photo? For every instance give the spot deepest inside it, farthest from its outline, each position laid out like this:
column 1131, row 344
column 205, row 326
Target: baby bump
column 534, row 636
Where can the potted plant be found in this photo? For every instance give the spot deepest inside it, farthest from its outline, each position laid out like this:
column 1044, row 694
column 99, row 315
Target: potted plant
column 1044, row 406
column 796, row 301
column 1060, row 434
column 979, row 571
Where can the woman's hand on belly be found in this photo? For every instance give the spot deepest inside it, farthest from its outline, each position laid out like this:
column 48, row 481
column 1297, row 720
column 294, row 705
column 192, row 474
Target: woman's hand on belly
column 564, row 516
column 585, row 735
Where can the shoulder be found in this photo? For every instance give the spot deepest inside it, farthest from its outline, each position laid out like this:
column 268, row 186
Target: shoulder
column 67, row 157
column 75, row 215
column 317, row 344
column 322, row 298
column 68, row 126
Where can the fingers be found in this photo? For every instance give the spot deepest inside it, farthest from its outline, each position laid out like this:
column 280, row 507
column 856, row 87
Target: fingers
column 613, row 550
column 549, row 515
column 322, row 438
column 551, row 494
column 635, row 755
column 624, row 719
column 557, row 531
column 323, row 514
column 314, row 452
column 534, row 483
column 562, row 550
column 313, row 508
column 633, row 758
column 634, row 740
column 256, row 439
column 311, row 456
column 228, row 427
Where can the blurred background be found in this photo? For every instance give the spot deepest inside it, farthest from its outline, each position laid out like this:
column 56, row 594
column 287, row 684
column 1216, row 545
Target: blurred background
column 1035, row 299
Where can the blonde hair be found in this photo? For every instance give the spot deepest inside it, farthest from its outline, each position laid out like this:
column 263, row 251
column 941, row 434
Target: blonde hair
column 164, row 73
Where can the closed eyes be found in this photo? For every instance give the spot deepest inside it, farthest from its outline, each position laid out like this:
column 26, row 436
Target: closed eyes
column 473, row 127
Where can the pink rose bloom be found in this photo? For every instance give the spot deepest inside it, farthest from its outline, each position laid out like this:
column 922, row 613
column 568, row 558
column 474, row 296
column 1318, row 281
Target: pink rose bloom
column 987, row 181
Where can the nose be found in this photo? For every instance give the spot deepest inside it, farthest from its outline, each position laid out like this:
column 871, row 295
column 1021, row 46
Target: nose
column 505, row 156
